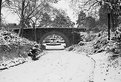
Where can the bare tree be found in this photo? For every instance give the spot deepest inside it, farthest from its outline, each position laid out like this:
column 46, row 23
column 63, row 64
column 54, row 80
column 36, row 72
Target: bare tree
column 27, row 10
column 1, row 5
column 112, row 8
column 0, row 12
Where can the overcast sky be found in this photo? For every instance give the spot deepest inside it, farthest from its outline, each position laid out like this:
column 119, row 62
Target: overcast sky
column 64, row 4
column 9, row 17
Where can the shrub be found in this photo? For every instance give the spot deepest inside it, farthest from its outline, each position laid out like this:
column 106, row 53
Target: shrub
column 98, row 42
column 12, row 46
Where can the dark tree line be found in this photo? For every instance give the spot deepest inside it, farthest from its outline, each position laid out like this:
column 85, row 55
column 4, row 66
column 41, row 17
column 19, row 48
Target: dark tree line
column 109, row 13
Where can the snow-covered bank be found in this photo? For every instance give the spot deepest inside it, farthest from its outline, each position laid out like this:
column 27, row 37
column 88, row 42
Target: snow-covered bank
column 61, row 66
column 107, row 69
column 14, row 50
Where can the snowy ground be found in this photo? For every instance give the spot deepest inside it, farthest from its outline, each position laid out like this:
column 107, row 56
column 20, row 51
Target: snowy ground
column 106, row 69
column 64, row 66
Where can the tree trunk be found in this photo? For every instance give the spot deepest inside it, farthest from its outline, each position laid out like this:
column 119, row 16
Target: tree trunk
column 34, row 31
column 109, row 25
column 22, row 19
column 0, row 13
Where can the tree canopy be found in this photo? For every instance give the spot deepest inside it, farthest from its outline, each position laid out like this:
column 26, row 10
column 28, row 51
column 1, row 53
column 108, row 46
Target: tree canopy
column 33, row 10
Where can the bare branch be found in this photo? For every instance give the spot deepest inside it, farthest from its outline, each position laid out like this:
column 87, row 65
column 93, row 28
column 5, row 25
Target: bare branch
column 91, row 4
column 33, row 11
column 27, row 4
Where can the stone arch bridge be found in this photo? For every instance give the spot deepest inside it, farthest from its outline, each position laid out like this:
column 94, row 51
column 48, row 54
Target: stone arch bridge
column 53, row 36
